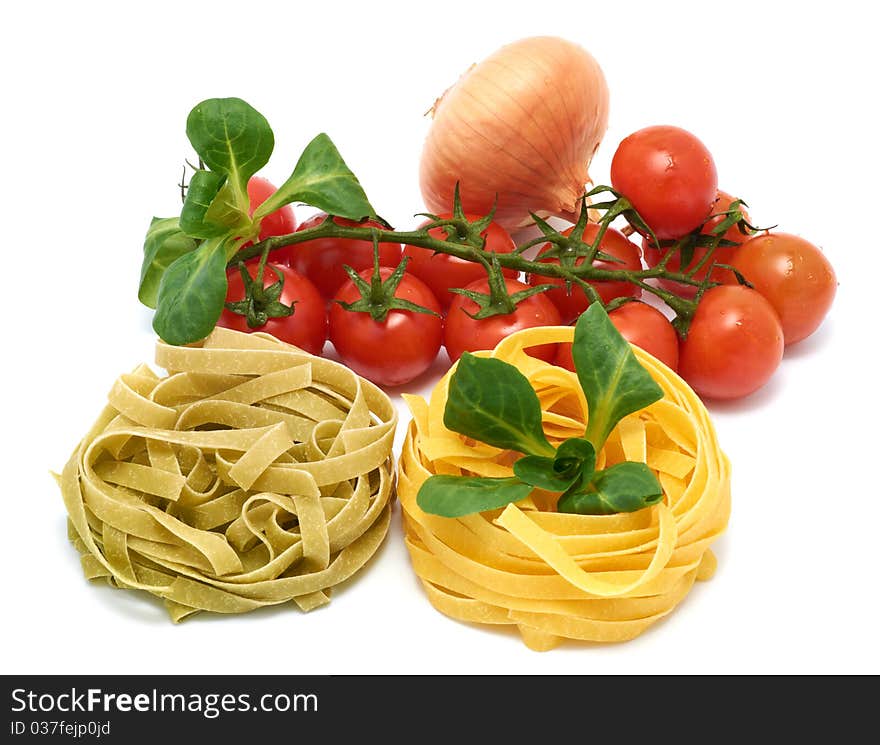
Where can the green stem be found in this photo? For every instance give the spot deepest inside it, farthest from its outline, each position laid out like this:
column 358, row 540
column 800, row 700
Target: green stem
column 580, row 274
column 705, row 258
column 499, row 298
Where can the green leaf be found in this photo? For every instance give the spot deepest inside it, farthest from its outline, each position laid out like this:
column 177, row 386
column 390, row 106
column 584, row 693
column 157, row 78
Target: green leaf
column 191, row 294
column 323, row 180
column 624, row 487
column 576, row 448
column 540, row 471
column 628, row 486
column 210, row 208
column 575, row 460
column 614, row 382
column 232, row 138
column 455, row 496
column 578, row 455
column 165, row 243
column 493, row 402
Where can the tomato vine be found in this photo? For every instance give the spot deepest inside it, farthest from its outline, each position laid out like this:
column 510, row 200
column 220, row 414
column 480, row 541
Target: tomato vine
column 469, row 247
column 183, row 275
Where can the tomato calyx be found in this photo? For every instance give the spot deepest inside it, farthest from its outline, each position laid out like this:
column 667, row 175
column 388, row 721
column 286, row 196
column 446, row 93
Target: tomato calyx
column 740, row 279
column 618, row 205
column 711, row 240
column 734, row 216
column 378, row 295
column 261, row 303
column 459, row 229
column 570, row 247
column 498, row 301
column 570, row 250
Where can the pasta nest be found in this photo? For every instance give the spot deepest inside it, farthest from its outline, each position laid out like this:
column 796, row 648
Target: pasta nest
column 554, row 576
column 252, row 474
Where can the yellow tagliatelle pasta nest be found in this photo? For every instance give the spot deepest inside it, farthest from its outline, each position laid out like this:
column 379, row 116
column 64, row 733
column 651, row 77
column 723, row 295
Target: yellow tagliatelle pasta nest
column 253, row 474
column 562, row 576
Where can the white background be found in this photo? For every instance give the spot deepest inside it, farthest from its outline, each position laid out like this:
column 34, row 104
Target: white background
column 94, row 105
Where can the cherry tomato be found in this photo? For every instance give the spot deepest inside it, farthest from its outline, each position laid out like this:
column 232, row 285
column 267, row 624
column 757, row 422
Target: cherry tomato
column 442, row 271
column 669, row 176
column 563, row 357
column 465, row 334
column 722, row 254
column 280, row 222
column 322, row 259
column 305, row 328
column 793, row 275
column 572, row 304
column 734, row 343
column 640, row 324
column 390, row 352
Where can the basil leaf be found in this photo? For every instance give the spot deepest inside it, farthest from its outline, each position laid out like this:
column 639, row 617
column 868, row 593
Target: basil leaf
column 232, row 138
column 210, row 208
column 614, row 382
column 540, row 471
column 165, row 242
column 624, row 487
column 191, row 294
column 493, row 402
column 323, row 180
column 455, row 496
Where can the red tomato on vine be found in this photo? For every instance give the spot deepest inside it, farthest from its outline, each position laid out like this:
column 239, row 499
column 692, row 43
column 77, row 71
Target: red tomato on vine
column 734, row 343
column 462, row 333
column 305, row 327
column 640, row 324
column 794, row 276
column 280, row 222
column 669, row 176
column 393, row 349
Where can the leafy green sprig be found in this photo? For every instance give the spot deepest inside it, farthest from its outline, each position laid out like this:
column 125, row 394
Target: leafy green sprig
column 183, row 275
column 491, row 401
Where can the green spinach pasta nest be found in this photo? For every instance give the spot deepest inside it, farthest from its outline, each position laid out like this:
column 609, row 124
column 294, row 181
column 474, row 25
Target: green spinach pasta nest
column 252, row 474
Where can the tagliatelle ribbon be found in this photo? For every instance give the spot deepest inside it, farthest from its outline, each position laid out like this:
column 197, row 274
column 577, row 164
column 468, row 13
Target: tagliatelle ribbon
column 252, row 475
column 601, row 578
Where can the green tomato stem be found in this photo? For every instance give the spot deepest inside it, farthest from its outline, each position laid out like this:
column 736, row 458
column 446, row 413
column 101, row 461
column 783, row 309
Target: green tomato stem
column 580, row 275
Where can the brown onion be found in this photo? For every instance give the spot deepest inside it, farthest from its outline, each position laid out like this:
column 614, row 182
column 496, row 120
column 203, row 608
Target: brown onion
column 523, row 124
